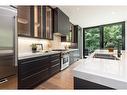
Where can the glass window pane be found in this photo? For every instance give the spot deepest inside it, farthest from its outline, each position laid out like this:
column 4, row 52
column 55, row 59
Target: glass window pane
column 92, row 39
column 112, row 34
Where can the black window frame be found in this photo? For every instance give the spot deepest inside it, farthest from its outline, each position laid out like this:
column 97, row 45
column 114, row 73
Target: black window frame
column 102, row 35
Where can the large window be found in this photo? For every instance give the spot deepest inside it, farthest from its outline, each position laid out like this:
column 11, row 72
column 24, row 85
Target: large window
column 113, row 33
column 100, row 36
column 92, row 39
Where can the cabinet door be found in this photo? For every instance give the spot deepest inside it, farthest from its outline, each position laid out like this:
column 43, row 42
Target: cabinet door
column 71, row 60
column 69, row 36
column 26, row 66
column 33, row 80
column 54, row 64
column 66, row 38
column 49, row 23
column 35, row 21
column 72, row 32
column 63, row 23
column 38, row 22
column 54, row 69
column 32, row 71
column 76, row 29
column 24, row 20
column 74, row 56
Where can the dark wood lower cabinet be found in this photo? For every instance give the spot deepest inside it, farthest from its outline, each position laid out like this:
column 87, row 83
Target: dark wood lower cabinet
column 34, row 79
column 54, row 69
column 74, row 56
column 33, row 71
column 54, row 64
column 81, row 84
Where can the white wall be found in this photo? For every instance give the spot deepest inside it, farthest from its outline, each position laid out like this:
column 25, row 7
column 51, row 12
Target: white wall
column 87, row 16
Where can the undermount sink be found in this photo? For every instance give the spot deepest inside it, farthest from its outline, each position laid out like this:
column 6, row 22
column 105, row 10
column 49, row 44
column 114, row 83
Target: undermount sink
column 105, row 56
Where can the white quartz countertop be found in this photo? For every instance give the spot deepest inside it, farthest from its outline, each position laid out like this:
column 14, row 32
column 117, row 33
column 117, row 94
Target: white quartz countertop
column 31, row 55
column 73, row 49
column 111, row 73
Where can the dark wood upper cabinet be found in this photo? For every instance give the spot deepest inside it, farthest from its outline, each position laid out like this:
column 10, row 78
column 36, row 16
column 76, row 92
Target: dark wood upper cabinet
column 38, row 22
column 61, row 22
column 24, row 20
column 47, row 22
column 77, row 29
column 35, row 21
column 72, row 36
column 72, row 32
column 69, row 37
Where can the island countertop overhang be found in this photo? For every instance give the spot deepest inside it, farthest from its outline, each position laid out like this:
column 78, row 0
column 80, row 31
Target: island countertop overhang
column 111, row 73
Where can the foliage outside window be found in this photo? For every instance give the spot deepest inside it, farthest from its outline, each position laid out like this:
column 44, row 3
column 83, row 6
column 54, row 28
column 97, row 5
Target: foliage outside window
column 102, row 37
column 113, row 33
column 92, row 39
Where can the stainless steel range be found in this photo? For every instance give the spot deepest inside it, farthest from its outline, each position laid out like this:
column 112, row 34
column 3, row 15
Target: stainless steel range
column 64, row 58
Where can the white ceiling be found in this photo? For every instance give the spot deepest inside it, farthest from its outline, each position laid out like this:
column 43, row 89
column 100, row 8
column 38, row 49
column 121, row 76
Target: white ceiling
column 87, row 16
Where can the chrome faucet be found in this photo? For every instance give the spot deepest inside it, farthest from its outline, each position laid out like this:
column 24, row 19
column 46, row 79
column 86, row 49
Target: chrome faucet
column 40, row 45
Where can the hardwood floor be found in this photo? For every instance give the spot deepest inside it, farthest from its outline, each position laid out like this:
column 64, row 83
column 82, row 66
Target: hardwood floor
column 62, row 80
column 11, row 84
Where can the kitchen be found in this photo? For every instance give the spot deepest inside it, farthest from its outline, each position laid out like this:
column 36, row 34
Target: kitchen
column 48, row 44
column 40, row 51
column 53, row 54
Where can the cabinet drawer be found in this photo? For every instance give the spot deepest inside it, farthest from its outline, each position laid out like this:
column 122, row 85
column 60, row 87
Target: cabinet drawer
column 33, row 80
column 29, row 66
column 30, row 72
column 23, row 61
column 54, row 57
column 54, row 62
column 55, row 69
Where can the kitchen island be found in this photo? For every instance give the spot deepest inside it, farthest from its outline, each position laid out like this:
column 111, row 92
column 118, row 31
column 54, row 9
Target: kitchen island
column 99, row 73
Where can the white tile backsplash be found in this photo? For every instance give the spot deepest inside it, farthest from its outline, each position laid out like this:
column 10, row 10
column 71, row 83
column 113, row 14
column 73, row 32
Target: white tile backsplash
column 24, row 44
column 56, row 42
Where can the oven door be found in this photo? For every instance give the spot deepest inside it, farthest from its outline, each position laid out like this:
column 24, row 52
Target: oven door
column 64, row 62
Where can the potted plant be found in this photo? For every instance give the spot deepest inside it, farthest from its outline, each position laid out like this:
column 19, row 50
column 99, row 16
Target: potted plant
column 110, row 46
column 34, row 48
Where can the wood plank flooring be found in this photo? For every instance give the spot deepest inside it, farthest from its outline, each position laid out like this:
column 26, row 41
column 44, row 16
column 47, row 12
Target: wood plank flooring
column 62, row 80
column 11, row 84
